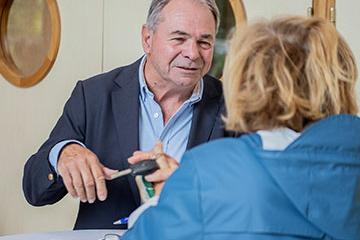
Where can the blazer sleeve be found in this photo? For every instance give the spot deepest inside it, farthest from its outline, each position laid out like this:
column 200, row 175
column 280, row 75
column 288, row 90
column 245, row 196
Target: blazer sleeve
column 178, row 214
column 41, row 185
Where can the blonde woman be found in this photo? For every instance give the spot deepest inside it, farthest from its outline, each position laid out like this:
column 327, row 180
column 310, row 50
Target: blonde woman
column 289, row 84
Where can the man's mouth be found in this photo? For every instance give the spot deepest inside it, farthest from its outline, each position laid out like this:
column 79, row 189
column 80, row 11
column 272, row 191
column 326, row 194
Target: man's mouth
column 188, row 68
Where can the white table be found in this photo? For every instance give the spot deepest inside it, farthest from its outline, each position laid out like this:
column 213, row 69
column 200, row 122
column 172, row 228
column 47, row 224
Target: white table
column 67, row 235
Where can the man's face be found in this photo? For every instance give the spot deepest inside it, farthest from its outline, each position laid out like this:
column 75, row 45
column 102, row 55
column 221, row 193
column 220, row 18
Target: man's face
column 180, row 50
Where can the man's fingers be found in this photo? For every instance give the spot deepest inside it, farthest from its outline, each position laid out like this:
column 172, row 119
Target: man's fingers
column 137, row 152
column 158, row 176
column 167, row 166
column 162, row 161
column 89, row 183
column 100, row 184
column 140, row 156
column 108, row 172
column 78, row 183
column 173, row 164
column 143, row 155
column 158, row 148
column 166, row 162
column 68, row 182
column 84, row 175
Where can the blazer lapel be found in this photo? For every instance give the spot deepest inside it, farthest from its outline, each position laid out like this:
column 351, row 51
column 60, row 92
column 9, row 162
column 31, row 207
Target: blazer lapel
column 125, row 107
column 205, row 116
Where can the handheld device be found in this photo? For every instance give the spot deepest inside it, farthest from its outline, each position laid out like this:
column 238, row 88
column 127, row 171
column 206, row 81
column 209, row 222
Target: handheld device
column 142, row 168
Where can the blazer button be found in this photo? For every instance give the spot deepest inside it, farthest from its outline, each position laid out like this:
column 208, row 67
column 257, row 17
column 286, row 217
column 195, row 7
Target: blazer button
column 51, row 177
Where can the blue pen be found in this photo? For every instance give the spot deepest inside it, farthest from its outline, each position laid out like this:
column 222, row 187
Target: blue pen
column 121, row 221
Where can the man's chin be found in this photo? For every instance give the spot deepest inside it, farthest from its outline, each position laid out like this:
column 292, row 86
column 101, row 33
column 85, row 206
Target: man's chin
column 188, row 81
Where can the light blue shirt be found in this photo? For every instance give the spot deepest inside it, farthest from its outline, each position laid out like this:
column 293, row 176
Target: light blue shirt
column 174, row 134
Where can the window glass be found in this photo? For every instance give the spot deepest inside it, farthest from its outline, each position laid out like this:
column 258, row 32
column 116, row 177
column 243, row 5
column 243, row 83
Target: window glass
column 28, row 35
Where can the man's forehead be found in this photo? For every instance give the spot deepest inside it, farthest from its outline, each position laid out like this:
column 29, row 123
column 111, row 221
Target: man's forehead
column 187, row 12
column 188, row 25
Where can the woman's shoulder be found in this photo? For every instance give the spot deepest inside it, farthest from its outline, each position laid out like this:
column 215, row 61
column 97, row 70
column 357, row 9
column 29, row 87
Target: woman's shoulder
column 245, row 140
column 224, row 148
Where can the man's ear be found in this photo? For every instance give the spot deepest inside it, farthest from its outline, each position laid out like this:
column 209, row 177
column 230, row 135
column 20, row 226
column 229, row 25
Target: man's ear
column 146, row 38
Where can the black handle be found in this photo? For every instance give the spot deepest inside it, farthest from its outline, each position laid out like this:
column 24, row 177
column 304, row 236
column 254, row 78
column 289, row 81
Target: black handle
column 144, row 167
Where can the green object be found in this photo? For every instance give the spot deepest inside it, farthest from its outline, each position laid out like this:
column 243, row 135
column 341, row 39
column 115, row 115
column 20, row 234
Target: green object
column 149, row 188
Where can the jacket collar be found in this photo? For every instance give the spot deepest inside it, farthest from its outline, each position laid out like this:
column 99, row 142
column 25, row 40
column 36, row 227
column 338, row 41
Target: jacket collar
column 206, row 113
column 125, row 107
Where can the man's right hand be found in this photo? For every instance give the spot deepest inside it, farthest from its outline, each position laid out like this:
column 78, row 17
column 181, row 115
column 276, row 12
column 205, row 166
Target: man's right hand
column 83, row 174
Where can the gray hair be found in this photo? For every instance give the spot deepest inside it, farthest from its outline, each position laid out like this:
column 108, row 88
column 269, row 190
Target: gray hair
column 157, row 6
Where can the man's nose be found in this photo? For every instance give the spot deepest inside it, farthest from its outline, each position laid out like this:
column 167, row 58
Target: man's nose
column 191, row 50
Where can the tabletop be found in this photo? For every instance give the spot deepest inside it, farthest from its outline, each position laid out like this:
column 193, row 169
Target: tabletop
column 65, row 235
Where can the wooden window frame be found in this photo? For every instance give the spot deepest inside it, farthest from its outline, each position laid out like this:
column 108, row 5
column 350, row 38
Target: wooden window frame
column 239, row 11
column 325, row 9
column 8, row 68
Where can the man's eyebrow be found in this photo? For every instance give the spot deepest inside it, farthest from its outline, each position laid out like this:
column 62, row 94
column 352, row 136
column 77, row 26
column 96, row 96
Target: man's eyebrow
column 207, row 36
column 182, row 33
column 178, row 32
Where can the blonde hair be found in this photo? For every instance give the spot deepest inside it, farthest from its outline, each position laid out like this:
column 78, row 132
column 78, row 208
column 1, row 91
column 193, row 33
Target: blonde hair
column 287, row 72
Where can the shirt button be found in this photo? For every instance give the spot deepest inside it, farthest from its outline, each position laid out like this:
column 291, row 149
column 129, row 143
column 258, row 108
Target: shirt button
column 50, row 176
column 156, row 115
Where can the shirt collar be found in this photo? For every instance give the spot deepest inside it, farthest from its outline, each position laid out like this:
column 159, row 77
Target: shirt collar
column 145, row 91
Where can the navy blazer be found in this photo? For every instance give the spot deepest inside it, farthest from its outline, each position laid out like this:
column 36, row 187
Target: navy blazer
column 103, row 113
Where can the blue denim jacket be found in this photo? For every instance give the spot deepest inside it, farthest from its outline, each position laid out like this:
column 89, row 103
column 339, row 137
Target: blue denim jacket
column 233, row 189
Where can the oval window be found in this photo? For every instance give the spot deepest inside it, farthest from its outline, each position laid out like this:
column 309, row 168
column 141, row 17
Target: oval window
column 30, row 37
column 232, row 13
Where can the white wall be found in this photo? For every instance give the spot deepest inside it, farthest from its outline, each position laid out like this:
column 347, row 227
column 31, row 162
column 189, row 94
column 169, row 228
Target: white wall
column 123, row 21
column 262, row 8
column 348, row 18
column 28, row 115
column 348, row 24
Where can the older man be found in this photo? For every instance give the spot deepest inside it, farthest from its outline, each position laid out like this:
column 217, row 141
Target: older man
column 166, row 95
